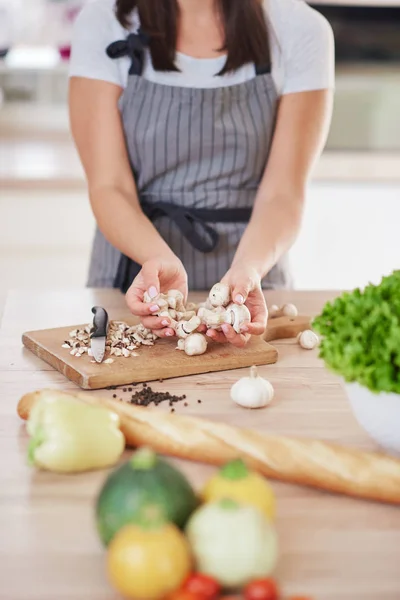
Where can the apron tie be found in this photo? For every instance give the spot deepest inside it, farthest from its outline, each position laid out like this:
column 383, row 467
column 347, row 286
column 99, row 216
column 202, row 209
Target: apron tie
column 133, row 46
column 194, row 226
column 194, row 222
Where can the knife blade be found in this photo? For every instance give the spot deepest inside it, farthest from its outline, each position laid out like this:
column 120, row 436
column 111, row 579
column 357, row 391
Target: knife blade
column 98, row 333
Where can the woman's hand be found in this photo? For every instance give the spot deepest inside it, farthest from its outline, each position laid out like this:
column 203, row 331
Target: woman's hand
column 245, row 285
column 157, row 275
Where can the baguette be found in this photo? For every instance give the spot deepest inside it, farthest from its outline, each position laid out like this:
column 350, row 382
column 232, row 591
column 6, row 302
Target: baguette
column 306, row 462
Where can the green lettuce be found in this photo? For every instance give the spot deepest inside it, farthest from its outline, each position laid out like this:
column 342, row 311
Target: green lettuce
column 360, row 333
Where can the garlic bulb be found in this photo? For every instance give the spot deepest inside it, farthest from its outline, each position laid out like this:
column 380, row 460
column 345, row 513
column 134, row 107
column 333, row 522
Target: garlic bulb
column 253, row 391
column 220, row 295
column 308, row 339
column 195, row 344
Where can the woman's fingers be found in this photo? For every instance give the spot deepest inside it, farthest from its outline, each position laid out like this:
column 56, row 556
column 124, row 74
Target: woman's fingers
column 236, row 339
column 156, row 322
column 241, row 291
column 147, row 280
column 228, row 334
column 259, row 318
column 151, row 278
column 167, row 332
column 216, row 336
column 134, row 299
column 256, row 328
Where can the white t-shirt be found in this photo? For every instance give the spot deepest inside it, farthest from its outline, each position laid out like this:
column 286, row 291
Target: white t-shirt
column 302, row 51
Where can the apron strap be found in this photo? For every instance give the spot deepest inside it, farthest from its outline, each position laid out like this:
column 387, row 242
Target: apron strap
column 134, row 47
column 263, row 69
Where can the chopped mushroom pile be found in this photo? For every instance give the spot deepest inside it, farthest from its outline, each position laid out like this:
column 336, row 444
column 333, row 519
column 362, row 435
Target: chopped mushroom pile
column 122, row 340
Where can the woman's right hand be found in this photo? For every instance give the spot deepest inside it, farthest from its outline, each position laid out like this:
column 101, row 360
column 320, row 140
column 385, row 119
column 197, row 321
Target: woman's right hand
column 157, row 275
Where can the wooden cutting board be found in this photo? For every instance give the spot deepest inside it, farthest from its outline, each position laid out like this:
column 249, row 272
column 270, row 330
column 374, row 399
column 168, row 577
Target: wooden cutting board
column 160, row 361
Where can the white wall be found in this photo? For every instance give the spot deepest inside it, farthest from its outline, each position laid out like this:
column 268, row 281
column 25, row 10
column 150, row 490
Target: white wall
column 350, row 235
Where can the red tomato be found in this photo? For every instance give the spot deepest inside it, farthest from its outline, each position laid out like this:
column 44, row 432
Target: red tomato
column 184, row 595
column 202, row 586
column 261, row 589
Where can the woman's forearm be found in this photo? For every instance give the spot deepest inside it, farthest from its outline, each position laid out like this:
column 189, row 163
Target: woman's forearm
column 126, row 227
column 272, row 230
column 301, row 130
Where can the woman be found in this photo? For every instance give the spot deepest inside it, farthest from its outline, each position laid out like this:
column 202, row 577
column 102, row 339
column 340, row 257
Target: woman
column 198, row 123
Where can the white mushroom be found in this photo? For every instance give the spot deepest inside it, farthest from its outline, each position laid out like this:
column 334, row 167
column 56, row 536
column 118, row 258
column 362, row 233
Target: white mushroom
column 253, row 391
column 308, row 339
column 213, row 319
column 195, row 344
column 273, row 311
column 188, row 314
column 184, row 328
column 287, row 310
column 237, row 315
column 220, row 295
column 175, row 300
column 181, row 344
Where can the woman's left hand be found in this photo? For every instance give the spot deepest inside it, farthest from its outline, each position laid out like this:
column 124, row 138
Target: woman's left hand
column 245, row 285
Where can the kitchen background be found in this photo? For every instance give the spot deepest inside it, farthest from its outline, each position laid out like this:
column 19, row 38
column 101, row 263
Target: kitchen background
column 350, row 233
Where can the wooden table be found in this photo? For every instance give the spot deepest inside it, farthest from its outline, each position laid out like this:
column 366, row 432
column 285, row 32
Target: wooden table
column 332, row 548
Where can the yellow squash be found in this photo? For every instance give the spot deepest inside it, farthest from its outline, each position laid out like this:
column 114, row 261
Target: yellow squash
column 236, row 482
column 148, row 560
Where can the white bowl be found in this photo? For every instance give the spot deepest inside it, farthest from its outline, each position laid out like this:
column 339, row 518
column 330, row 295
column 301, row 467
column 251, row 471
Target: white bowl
column 378, row 414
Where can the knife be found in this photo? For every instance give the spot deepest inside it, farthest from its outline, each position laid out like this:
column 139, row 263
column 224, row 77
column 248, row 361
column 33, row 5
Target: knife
column 98, row 333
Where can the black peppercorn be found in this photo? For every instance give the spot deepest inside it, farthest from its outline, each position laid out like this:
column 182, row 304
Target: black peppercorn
column 147, row 396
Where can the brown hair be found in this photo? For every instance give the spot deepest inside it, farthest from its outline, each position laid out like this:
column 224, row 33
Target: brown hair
column 246, row 32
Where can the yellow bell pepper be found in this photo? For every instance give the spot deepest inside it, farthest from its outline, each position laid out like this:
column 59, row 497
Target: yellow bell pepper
column 234, row 481
column 69, row 436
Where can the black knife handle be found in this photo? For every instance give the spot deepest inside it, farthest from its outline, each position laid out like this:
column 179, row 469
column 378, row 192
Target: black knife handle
column 100, row 322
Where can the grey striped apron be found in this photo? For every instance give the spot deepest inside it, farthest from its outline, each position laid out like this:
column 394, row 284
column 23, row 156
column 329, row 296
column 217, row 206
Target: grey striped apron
column 198, row 156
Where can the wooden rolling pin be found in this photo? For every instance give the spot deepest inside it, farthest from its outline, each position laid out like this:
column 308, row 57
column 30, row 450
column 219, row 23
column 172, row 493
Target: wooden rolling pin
column 306, row 462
